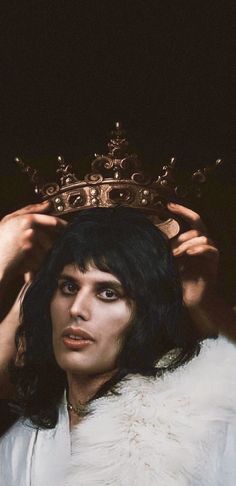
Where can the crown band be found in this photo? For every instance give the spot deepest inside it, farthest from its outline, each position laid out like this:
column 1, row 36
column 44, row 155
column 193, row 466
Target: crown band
column 116, row 179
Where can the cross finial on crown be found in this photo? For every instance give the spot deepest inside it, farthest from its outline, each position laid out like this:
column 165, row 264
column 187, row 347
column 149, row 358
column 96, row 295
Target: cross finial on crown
column 116, row 178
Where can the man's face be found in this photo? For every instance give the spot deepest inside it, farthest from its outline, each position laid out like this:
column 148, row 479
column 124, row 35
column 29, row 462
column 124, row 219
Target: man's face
column 90, row 316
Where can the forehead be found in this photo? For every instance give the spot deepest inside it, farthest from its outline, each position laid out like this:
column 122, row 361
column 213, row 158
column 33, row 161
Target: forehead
column 92, row 274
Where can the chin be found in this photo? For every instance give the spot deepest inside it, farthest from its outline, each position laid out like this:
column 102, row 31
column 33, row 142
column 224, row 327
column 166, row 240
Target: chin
column 75, row 366
column 73, row 363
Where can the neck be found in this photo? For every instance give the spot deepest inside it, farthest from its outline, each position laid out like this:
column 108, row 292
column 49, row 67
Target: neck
column 81, row 389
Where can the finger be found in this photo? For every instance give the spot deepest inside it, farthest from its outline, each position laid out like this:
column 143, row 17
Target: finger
column 44, row 220
column 193, row 242
column 210, row 253
column 41, row 243
column 34, row 262
column 45, row 234
column 35, row 251
column 205, row 250
column 31, row 208
column 188, row 215
column 188, row 235
column 28, row 277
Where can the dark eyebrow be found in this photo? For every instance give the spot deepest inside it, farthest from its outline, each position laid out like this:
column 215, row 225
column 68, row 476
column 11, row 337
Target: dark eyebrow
column 109, row 283
column 99, row 284
column 65, row 276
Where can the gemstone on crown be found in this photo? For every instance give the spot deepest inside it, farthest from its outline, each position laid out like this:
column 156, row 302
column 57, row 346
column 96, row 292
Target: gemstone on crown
column 117, row 178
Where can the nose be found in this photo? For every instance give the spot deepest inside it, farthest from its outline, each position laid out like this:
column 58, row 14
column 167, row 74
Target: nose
column 81, row 306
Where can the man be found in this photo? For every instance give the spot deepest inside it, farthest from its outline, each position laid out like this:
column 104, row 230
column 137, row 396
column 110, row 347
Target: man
column 110, row 297
column 27, row 235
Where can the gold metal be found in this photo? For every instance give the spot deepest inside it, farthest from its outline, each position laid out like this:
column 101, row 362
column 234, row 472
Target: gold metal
column 115, row 179
column 79, row 409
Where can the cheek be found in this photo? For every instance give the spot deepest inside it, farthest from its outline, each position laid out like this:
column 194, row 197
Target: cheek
column 111, row 344
column 116, row 325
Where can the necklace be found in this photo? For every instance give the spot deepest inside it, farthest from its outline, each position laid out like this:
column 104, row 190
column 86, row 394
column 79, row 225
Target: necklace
column 79, row 409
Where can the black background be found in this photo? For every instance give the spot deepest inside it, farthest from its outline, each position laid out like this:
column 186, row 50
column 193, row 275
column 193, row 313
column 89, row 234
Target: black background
column 69, row 69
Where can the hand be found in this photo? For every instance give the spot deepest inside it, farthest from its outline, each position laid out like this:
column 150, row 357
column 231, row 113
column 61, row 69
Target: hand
column 25, row 237
column 197, row 258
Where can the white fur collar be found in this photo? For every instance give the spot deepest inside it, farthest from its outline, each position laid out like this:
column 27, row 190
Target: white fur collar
column 178, row 430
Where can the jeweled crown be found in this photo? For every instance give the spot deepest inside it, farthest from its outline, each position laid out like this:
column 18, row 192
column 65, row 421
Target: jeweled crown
column 116, row 178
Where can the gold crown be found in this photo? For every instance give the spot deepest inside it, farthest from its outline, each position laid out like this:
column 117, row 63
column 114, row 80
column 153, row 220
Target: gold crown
column 117, row 179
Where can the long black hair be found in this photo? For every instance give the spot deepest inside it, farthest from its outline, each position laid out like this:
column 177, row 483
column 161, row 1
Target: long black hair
column 124, row 242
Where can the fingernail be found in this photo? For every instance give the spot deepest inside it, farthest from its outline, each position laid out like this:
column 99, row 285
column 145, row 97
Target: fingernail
column 171, row 205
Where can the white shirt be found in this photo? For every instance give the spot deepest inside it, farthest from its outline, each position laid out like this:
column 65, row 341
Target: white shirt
column 28, row 455
column 178, row 430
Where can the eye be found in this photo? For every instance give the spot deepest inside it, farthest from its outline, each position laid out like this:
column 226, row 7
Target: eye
column 67, row 287
column 108, row 294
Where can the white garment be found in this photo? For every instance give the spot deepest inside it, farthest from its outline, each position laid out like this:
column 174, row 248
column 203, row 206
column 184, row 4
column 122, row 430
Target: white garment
column 34, row 457
column 179, row 430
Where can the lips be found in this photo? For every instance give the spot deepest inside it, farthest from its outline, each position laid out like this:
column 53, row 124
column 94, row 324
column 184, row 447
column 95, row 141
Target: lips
column 76, row 338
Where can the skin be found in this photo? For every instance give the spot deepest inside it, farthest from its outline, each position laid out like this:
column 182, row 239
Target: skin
column 197, row 258
column 94, row 302
column 26, row 236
